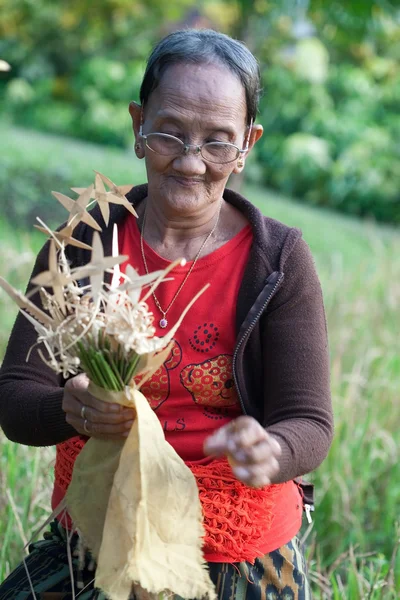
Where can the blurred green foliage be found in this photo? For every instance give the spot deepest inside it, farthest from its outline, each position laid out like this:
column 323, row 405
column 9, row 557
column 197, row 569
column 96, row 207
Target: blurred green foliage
column 33, row 164
column 330, row 70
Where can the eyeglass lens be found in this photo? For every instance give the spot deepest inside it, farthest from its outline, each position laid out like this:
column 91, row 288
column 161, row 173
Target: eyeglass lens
column 168, row 145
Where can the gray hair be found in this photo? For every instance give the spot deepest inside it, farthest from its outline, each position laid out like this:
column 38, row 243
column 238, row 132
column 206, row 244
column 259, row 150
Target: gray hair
column 204, row 46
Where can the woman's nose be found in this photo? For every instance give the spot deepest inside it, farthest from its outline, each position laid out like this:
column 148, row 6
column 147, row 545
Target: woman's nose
column 191, row 163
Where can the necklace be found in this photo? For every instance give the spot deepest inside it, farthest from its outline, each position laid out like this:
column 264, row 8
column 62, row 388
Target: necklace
column 163, row 321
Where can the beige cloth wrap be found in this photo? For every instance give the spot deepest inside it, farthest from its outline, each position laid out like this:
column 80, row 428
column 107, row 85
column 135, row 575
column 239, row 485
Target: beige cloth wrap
column 137, row 507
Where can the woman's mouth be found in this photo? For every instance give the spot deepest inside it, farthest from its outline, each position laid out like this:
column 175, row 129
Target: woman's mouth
column 186, row 181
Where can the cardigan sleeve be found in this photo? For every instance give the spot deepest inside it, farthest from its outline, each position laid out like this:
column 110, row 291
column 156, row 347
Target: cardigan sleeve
column 298, row 410
column 30, row 392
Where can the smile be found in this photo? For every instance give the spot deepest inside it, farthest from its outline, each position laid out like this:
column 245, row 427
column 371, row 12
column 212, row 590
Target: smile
column 186, row 181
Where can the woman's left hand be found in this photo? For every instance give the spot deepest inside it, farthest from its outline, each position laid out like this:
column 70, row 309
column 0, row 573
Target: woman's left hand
column 252, row 452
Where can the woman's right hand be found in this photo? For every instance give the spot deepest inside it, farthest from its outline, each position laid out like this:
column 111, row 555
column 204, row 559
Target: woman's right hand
column 92, row 417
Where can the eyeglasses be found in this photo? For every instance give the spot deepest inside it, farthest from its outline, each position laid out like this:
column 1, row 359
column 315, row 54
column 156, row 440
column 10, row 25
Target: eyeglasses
column 215, row 152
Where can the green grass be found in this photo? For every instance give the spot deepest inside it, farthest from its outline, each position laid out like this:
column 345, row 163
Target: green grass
column 68, row 155
column 353, row 545
column 34, row 164
column 358, row 486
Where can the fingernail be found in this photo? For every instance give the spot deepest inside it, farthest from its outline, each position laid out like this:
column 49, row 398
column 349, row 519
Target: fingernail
column 241, row 472
column 240, row 456
column 231, row 446
column 115, row 407
column 129, row 413
column 125, row 434
column 128, row 424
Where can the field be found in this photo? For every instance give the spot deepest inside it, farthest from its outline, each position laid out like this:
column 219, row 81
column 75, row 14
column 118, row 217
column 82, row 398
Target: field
column 353, row 546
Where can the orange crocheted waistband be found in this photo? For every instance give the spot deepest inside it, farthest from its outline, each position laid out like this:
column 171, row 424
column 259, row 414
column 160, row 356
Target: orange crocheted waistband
column 237, row 518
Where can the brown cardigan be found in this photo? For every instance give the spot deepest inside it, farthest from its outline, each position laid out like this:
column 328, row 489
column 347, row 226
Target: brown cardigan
column 281, row 363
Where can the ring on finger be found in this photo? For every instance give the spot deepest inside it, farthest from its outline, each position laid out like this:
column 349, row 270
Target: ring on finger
column 85, row 427
column 83, row 412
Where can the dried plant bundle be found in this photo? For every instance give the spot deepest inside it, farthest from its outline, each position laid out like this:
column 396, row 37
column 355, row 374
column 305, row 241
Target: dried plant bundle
column 106, row 330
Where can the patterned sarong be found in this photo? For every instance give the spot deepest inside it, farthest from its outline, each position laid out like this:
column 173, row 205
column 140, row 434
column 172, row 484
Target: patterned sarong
column 279, row 575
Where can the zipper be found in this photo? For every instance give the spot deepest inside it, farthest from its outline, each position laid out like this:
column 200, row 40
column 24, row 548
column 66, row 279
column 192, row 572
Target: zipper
column 307, row 509
column 245, row 335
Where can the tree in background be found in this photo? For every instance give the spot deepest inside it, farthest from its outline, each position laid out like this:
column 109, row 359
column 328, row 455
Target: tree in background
column 332, row 89
column 76, row 63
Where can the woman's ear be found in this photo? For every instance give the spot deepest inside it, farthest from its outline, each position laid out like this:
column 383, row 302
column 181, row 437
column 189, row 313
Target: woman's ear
column 255, row 134
column 135, row 110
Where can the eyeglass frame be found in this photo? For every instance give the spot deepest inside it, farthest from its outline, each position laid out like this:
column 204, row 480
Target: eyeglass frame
column 186, row 147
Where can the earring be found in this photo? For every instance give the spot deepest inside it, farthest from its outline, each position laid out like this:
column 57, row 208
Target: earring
column 240, row 163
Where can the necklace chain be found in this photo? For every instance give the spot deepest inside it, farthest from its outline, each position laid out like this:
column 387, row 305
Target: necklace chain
column 163, row 322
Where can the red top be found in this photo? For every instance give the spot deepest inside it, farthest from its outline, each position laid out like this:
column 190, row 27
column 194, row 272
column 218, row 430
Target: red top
column 193, row 393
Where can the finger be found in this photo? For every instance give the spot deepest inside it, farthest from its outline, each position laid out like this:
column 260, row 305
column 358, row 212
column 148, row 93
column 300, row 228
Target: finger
column 257, row 454
column 73, row 406
column 217, row 443
column 250, row 478
column 239, row 438
column 95, row 416
column 77, row 387
column 239, row 433
column 101, row 405
column 101, row 430
column 257, row 475
column 246, row 432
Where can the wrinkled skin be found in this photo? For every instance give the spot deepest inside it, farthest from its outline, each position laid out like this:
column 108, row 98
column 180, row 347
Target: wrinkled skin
column 252, row 452
column 104, row 420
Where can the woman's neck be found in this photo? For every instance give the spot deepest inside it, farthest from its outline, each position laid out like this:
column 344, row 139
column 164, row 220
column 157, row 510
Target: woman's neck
column 180, row 236
column 173, row 236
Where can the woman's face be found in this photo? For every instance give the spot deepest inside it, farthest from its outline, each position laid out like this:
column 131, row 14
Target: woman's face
column 197, row 104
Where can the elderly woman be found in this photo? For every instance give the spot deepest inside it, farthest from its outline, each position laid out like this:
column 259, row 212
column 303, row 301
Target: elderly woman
column 248, row 375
